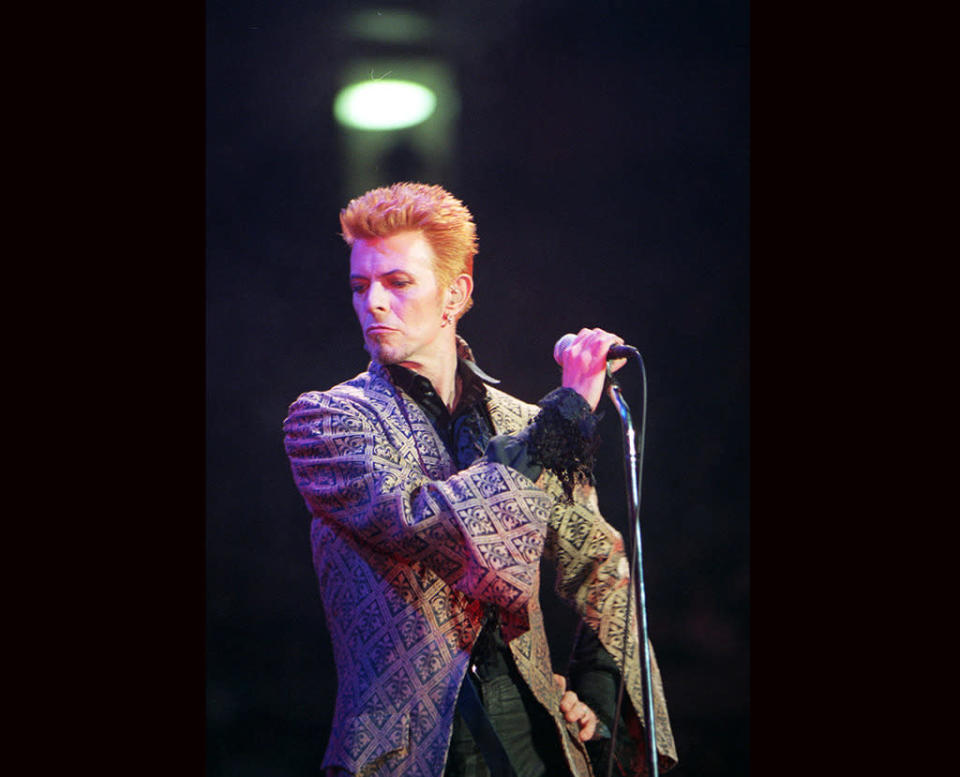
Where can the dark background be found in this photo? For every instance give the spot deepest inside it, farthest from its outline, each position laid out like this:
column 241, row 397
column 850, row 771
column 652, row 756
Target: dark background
column 603, row 149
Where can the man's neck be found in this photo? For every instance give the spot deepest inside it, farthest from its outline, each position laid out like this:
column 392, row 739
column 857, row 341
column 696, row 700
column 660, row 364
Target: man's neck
column 440, row 369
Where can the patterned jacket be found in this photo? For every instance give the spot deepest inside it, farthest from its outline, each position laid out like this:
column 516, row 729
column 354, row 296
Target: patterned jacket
column 407, row 553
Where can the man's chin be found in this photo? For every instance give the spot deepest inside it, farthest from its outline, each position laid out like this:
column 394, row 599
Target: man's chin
column 384, row 354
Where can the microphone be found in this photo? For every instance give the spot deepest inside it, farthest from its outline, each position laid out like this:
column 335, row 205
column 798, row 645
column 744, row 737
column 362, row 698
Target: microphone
column 615, row 352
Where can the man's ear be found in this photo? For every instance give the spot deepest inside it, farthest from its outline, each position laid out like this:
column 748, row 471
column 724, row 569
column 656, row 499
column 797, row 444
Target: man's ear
column 459, row 294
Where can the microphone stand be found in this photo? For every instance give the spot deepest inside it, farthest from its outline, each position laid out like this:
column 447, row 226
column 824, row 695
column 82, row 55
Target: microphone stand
column 633, row 469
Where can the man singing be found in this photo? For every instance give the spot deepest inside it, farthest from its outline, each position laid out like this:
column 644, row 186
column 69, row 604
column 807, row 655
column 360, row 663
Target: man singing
column 434, row 495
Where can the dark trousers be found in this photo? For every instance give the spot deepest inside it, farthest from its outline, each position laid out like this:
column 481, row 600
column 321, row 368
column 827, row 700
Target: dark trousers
column 528, row 733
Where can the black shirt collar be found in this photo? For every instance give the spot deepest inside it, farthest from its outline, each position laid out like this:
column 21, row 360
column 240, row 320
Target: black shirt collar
column 421, row 390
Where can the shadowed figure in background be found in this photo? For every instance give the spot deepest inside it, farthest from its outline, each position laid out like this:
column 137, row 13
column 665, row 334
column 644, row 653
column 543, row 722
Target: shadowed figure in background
column 434, row 495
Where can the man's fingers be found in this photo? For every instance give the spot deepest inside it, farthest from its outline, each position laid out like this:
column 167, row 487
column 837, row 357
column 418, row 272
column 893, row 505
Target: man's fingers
column 616, row 364
column 575, row 711
column 588, row 729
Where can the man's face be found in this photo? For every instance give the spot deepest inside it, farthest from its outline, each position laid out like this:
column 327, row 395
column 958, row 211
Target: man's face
column 396, row 297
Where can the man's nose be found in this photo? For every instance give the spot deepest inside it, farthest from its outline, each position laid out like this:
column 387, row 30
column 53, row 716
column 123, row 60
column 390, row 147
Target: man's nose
column 376, row 297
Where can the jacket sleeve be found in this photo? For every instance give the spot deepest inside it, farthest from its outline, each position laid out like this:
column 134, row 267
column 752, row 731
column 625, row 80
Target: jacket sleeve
column 481, row 530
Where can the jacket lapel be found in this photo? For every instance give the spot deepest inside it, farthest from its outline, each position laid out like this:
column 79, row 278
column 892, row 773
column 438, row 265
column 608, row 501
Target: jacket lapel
column 425, row 450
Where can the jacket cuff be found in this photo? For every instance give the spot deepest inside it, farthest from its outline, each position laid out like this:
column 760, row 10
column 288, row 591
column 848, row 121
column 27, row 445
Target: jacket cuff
column 564, row 439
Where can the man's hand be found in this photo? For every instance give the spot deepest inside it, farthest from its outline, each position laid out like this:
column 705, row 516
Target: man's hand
column 575, row 710
column 585, row 363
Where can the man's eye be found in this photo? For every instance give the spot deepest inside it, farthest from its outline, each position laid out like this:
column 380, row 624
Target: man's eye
column 357, row 288
column 401, row 283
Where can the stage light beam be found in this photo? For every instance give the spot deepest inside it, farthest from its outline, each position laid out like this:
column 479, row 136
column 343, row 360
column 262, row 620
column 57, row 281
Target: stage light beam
column 384, row 104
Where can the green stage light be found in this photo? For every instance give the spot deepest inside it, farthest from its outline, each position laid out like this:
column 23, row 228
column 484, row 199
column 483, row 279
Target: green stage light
column 384, row 104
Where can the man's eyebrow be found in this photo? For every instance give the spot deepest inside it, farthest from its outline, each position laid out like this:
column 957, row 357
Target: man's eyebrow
column 397, row 271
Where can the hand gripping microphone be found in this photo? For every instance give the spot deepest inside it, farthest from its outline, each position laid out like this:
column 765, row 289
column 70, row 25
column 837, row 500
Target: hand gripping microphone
column 615, row 352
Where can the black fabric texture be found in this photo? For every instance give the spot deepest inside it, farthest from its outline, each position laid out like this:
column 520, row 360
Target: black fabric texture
column 564, row 439
column 593, row 675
